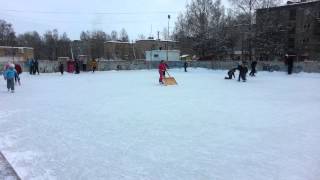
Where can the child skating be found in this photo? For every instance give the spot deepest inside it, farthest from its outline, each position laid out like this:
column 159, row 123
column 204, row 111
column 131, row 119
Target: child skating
column 231, row 73
column 162, row 70
column 9, row 76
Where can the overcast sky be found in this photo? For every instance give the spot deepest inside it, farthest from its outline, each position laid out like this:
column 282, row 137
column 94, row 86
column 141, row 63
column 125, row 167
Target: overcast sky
column 73, row 16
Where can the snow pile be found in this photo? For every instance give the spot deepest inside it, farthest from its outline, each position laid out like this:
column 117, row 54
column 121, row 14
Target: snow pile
column 123, row 125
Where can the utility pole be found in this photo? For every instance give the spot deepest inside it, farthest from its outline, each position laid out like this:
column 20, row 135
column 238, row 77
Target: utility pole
column 168, row 37
column 250, row 31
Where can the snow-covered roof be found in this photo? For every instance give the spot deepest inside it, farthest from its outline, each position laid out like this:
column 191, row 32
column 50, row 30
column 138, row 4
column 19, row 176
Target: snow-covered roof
column 185, row 55
column 157, row 40
column 10, row 47
column 120, row 42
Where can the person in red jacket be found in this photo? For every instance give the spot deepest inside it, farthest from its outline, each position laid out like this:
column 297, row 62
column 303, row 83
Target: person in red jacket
column 19, row 71
column 162, row 69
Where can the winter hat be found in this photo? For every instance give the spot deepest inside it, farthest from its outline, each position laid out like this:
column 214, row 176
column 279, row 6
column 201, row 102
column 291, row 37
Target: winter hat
column 11, row 66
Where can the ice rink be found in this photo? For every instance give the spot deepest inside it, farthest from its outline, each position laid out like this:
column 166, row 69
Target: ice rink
column 122, row 125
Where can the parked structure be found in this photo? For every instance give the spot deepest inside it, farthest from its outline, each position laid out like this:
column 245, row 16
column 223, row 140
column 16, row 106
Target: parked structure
column 116, row 50
column 293, row 28
column 158, row 55
column 8, row 53
column 141, row 46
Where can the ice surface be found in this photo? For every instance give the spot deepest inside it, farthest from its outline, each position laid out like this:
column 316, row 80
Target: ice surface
column 123, row 125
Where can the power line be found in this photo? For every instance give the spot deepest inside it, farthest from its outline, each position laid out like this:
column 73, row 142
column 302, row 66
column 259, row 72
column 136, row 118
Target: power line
column 95, row 13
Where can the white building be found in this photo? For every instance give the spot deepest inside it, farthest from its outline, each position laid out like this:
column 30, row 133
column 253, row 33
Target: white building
column 158, row 55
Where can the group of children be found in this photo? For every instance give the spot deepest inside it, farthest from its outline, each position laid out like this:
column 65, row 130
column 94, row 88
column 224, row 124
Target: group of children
column 94, row 65
column 243, row 70
column 12, row 75
column 12, row 72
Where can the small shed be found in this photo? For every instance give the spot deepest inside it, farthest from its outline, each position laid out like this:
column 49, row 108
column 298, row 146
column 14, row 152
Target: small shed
column 158, row 55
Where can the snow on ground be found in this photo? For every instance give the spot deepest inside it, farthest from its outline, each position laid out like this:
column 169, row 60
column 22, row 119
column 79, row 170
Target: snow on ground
column 123, row 125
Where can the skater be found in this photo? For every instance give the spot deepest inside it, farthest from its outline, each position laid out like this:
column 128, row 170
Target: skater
column 30, row 65
column 9, row 75
column 61, row 68
column 185, row 65
column 162, row 70
column 231, row 73
column 36, row 67
column 19, row 71
column 94, row 65
column 253, row 68
column 243, row 70
column 6, row 66
column 77, row 67
column 84, row 64
column 289, row 62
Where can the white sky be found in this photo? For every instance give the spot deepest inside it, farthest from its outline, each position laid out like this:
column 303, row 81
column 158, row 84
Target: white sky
column 73, row 16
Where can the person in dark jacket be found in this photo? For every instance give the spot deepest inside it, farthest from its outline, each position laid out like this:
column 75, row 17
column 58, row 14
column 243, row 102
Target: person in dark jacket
column 253, row 68
column 36, row 67
column 61, row 68
column 289, row 62
column 231, row 73
column 77, row 67
column 185, row 65
column 243, row 70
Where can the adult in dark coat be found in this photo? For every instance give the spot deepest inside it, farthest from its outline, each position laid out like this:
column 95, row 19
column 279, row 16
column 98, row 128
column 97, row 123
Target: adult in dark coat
column 243, row 70
column 253, row 68
column 185, row 65
column 61, row 68
column 289, row 62
column 36, row 67
column 77, row 67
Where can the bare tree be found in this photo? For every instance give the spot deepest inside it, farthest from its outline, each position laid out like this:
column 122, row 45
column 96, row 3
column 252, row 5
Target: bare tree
column 114, row 35
column 34, row 40
column 7, row 34
column 202, row 24
column 165, row 34
column 141, row 37
column 124, row 35
column 85, row 36
column 247, row 9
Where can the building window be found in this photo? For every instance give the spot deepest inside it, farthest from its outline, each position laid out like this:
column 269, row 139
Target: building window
column 156, row 55
column 292, row 14
column 291, row 42
column 317, row 29
column 292, row 30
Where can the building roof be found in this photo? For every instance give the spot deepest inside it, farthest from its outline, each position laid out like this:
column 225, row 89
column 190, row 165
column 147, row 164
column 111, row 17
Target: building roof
column 157, row 40
column 164, row 51
column 118, row 42
column 10, row 47
column 292, row 4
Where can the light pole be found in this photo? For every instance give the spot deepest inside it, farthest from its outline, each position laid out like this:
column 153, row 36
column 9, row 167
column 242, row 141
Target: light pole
column 168, row 37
